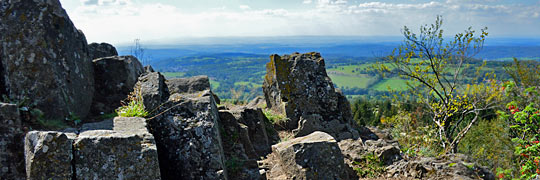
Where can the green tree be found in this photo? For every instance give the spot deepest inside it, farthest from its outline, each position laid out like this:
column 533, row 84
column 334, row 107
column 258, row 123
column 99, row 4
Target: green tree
column 435, row 69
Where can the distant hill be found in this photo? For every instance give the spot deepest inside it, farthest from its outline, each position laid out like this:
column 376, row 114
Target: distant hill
column 340, row 46
column 239, row 63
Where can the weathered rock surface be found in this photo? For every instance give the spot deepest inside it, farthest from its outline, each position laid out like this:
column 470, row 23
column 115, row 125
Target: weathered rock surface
column 153, row 89
column 99, row 50
column 454, row 166
column 298, row 86
column 357, row 151
column 105, row 154
column 315, row 156
column 115, row 77
column 44, row 58
column 11, row 143
column 190, row 85
column 126, row 151
column 188, row 138
column 396, row 167
column 247, row 136
column 49, row 155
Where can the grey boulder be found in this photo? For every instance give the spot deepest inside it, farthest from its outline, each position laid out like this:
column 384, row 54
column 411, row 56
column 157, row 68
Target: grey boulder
column 105, row 154
column 44, row 58
column 190, row 85
column 315, row 156
column 49, row 155
column 153, row 89
column 188, row 138
column 115, row 77
column 99, row 50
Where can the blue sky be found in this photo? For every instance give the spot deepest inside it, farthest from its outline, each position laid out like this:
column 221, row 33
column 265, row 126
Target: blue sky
column 121, row 21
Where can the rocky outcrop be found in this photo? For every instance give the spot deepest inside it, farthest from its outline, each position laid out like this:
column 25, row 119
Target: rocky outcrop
column 315, row 156
column 11, row 143
column 247, row 136
column 453, row 166
column 387, row 152
column 297, row 85
column 357, row 151
column 49, row 155
column 115, row 77
column 153, row 90
column 188, row 138
column 100, row 50
column 44, row 58
column 127, row 152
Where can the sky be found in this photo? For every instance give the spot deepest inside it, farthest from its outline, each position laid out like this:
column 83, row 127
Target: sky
column 122, row 21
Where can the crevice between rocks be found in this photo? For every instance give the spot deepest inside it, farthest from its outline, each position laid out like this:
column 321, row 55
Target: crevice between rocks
column 74, row 170
column 3, row 85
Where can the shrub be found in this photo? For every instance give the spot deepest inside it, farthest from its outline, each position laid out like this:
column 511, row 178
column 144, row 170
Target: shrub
column 526, row 125
column 415, row 138
column 489, row 144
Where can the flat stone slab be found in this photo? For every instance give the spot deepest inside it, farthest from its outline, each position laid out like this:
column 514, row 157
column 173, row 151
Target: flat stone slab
column 105, row 154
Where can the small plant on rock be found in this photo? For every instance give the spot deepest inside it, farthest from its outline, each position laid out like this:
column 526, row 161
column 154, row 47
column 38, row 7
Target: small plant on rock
column 274, row 118
column 369, row 167
column 133, row 106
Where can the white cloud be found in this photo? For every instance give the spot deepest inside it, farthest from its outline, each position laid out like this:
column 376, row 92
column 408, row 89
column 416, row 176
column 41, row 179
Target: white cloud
column 123, row 20
column 244, row 7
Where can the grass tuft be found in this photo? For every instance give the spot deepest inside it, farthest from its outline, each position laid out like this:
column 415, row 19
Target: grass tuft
column 275, row 118
column 134, row 107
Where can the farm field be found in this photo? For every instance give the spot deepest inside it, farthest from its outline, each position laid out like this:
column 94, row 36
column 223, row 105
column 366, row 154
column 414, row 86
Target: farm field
column 236, row 73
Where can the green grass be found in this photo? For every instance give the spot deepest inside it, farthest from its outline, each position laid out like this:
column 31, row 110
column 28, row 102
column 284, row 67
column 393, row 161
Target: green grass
column 274, row 118
column 359, row 81
column 132, row 109
column 348, row 69
column 247, row 84
column 393, row 83
column 169, row 75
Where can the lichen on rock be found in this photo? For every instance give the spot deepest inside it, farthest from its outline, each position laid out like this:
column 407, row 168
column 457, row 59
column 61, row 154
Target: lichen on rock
column 297, row 85
column 45, row 58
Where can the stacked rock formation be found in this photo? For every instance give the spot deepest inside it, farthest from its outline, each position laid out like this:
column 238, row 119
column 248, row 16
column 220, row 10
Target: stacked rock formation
column 125, row 150
column 297, row 85
column 247, row 136
column 186, row 129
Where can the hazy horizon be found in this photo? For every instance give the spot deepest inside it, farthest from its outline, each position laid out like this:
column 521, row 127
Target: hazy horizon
column 121, row 21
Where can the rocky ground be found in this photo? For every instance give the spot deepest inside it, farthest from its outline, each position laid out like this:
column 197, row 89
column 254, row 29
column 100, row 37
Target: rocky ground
column 48, row 71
